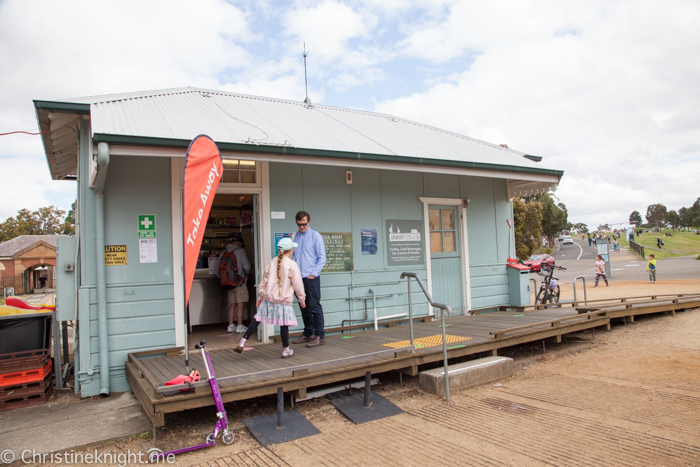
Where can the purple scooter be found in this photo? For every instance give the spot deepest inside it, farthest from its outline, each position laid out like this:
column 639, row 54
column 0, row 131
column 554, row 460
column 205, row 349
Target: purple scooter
column 221, row 425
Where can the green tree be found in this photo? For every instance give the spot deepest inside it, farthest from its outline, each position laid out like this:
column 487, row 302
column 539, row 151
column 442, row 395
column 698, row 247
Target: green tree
column 674, row 219
column 684, row 217
column 580, row 228
column 656, row 214
column 554, row 216
column 527, row 227
column 45, row 221
column 694, row 214
column 636, row 218
column 68, row 227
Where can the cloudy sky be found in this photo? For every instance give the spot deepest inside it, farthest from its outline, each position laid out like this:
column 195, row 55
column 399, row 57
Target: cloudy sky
column 608, row 91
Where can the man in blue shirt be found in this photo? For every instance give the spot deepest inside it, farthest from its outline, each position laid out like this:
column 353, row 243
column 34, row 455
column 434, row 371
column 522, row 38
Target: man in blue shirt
column 310, row 256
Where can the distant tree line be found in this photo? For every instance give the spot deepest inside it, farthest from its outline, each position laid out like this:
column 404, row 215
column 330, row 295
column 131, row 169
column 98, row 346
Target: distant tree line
column 658, row 216
column 44, row 221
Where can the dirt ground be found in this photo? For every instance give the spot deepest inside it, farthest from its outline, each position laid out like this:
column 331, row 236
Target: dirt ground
column 630, row 396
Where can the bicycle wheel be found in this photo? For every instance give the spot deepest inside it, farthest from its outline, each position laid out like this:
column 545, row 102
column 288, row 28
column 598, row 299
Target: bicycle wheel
column 541, row 296
column 554, row 295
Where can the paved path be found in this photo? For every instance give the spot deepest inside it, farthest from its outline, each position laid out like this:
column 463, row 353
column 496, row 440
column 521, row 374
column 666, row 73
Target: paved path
column 579, row 259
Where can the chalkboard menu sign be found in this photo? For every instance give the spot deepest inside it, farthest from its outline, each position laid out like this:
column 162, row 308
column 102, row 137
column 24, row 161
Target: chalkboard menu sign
column 338, row 251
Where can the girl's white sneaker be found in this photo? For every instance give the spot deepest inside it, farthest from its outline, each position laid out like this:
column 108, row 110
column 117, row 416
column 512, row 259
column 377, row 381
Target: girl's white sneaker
column 240, row 346
column 287, row 352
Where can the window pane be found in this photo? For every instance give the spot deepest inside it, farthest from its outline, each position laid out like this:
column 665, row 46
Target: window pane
column 230, row 176
column 448, row 219
column 236, row 171
column 434, row 215
column 449, row 241
column 247, row 176
column 435, row 242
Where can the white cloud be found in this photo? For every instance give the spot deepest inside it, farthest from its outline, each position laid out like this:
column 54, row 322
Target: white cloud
column 608, row 104
column 327, row 29
column 606, row 91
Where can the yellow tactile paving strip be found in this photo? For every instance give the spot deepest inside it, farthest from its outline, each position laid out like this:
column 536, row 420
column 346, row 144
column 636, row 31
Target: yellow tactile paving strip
column 430, row 341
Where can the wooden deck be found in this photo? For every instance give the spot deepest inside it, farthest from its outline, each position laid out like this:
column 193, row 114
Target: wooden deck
column 347, row 356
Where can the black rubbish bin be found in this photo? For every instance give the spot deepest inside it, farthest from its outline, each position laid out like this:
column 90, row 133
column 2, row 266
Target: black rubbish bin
column 21, row 332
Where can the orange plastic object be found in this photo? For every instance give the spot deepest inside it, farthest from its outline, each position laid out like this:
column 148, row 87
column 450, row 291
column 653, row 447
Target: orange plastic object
column 26, row 376
column 184, row 379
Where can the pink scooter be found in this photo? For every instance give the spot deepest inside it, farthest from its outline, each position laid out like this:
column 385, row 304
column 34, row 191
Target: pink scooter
column 221, row 424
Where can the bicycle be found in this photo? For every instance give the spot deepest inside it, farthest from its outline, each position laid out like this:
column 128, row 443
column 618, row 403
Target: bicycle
column 549, row 290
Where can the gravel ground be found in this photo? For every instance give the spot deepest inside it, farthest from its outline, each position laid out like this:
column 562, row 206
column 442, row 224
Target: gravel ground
column 630, row 396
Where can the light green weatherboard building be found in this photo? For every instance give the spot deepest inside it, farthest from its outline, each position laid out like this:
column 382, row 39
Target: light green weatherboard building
column 389, row 195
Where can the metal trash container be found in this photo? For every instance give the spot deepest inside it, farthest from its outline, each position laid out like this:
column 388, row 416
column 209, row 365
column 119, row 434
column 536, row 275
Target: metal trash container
column 22, row 330
column 518, row 283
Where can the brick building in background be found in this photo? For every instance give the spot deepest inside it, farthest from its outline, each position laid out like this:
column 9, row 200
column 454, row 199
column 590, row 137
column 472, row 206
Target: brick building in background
column 25, row 259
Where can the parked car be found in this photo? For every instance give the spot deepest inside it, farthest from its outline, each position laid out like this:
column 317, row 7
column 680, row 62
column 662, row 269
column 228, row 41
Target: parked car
column 535, row 262
column 568, row 239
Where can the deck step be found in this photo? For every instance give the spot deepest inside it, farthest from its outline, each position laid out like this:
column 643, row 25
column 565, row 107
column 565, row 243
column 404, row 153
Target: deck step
column 465, row 375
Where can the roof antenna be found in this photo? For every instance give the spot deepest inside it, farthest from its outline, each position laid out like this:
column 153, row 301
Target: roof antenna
column 305, row 53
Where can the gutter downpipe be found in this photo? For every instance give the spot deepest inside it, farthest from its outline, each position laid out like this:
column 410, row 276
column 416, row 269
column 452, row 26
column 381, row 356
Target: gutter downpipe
column 103, row 334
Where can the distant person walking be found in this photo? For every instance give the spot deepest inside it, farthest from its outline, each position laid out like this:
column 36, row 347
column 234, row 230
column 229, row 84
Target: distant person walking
column 600, row 271
column 590, row 242
column 616, row 247
column 276, row 291
column 651, row 267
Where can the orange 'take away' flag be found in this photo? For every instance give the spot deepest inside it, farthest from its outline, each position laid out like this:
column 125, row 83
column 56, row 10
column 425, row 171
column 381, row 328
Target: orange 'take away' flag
column 203, row 170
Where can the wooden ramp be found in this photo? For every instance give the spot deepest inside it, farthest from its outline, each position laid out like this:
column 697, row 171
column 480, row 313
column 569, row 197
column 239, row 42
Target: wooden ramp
column 347, row 356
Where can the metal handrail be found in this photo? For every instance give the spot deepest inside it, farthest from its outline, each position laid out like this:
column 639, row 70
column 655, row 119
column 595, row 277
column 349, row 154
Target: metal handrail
column 444, row 308
column 585, row 294
column 534, row 289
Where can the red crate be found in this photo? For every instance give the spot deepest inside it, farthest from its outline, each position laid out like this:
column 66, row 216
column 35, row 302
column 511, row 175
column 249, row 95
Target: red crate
column 19, row 361
column 37, row 397
column 14, row 391
column 26, row 376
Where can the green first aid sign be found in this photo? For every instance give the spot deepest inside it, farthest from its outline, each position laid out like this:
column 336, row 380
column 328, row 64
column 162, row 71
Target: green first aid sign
column 147, row 226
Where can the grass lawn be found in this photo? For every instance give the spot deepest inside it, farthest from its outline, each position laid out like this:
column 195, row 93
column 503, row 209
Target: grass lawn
column 680, row 244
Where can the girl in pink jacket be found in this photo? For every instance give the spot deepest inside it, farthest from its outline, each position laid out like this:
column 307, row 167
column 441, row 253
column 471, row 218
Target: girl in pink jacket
column 281, row 281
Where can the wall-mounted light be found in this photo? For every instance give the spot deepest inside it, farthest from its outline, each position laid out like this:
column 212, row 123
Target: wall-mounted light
column 465, row 203
column 348, row 177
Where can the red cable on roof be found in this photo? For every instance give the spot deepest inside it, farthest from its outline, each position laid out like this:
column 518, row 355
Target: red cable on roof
column 25, row 132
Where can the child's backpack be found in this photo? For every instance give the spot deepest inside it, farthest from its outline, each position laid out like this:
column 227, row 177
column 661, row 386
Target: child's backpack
column 229, row 278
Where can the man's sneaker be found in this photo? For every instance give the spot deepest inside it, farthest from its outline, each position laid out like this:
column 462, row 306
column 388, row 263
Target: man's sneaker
column 287, row 352
column 241, row 328
column 316, row 341
column 231, row 328
column 241, row 345
column 303, row 340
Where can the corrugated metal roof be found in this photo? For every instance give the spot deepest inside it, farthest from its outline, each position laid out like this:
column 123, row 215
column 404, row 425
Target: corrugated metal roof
column 184, row 113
